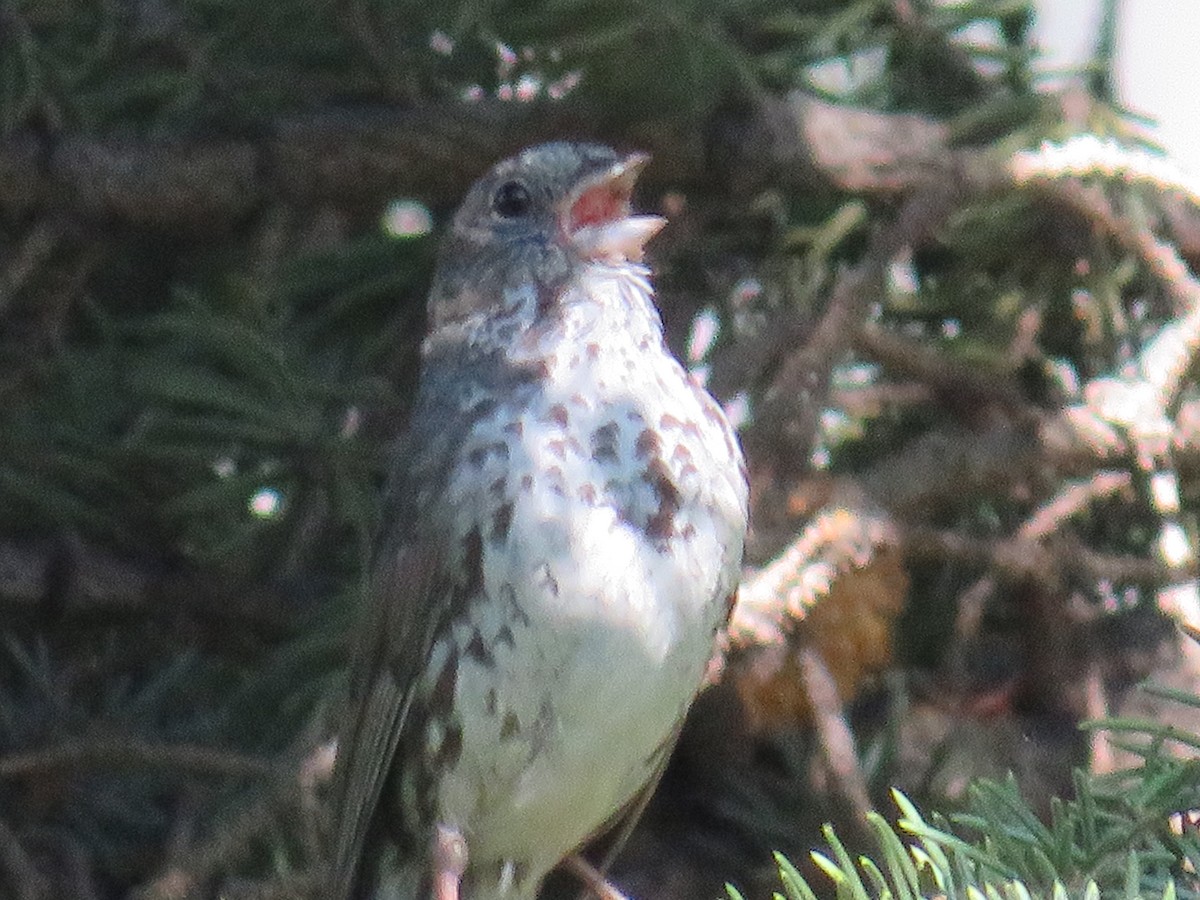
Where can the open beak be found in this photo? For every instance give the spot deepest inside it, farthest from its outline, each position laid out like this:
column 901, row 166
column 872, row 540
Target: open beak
column 597, row 215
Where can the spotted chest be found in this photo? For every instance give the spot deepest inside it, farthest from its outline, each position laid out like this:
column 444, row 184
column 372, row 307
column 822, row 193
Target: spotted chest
column 596, row 528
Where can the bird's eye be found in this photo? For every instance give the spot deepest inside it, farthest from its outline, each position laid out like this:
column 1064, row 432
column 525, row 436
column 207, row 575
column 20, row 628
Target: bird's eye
column 511, row 200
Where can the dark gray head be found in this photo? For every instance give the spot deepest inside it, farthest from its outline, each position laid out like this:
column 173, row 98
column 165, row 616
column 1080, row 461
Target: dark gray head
column 537, row 217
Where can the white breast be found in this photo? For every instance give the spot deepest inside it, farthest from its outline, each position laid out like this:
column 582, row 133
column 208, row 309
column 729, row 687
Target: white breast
column 604, row 586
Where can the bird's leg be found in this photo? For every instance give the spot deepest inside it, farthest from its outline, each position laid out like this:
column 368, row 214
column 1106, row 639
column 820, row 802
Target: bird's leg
column 592, row 878
column 449, row 862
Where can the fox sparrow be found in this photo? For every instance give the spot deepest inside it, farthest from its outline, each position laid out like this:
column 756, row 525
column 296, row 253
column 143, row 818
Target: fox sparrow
column 562, row 537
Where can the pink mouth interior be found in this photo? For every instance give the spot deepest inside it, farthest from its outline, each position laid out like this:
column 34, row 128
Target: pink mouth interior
column 598, row 205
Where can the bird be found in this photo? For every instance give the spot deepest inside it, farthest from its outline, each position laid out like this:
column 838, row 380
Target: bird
column 561, row 538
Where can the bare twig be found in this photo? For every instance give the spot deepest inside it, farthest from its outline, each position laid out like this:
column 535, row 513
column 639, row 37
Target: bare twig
column 966, row 385
column 837, row 741
column 789, row 413
column 433, row 152
column 113, row 752
column 290, row 791
column 1074, row 498
column 93, row 580
column 1160, row 257
column 1045, row 521
column 1103, row 757
column 593, row 879
column 1047, row 565
column 23, row 877
column 37, row 245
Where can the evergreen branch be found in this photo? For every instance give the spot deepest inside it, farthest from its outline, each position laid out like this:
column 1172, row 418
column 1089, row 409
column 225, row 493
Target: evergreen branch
column 24, row 878
column 85, row 579
column 128, row 752
column 1045, row 565
column 363, row 155
column 34, row 249
column 292, row 790
column 953, row 381
column 150, row 433
column 787, row 418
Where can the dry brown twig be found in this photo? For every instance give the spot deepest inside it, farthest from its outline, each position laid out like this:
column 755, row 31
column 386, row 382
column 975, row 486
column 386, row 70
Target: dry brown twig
column 1045, row 521
column 1048, row 566
column 291, row 790
column 433, row 152
column 837, row 740
column 121, row 752
column 23, row 877
column 33, row 250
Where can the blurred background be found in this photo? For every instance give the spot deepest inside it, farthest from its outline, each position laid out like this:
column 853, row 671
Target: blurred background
column 934, row 258
column 1155, row 45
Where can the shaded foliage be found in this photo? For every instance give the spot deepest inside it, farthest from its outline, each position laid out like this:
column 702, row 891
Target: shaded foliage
column 210, row 307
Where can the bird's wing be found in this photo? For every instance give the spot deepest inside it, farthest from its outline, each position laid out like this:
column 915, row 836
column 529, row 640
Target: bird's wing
column 393, row 644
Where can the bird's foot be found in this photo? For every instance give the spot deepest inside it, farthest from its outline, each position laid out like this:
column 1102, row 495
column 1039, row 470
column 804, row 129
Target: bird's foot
column 449, row 857
column 593, row 879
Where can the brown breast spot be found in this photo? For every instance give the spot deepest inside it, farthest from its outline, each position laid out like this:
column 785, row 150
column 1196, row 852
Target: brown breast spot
column 450, row 750
column 473, row 562
column 502, row 521
column 441, row 698
column 477, row 650
column 648, row 444
column 660, row 527
column 604, row 443
column 510, row 727
column 556, row 480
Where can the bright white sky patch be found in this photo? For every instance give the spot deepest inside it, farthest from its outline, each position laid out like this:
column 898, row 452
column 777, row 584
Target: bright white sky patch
column 1158, row 48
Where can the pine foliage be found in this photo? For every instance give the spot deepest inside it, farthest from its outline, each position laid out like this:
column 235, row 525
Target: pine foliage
column 912, row 271
column 1130, row 833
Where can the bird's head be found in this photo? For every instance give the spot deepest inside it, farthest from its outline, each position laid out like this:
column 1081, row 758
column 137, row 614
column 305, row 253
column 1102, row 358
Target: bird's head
column 537, row 217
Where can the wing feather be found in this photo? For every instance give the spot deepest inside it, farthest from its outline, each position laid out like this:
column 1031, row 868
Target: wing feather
column 390, row 652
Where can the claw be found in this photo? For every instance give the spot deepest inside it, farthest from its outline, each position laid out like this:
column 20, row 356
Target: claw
column 592, row 878
column 449, row 862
